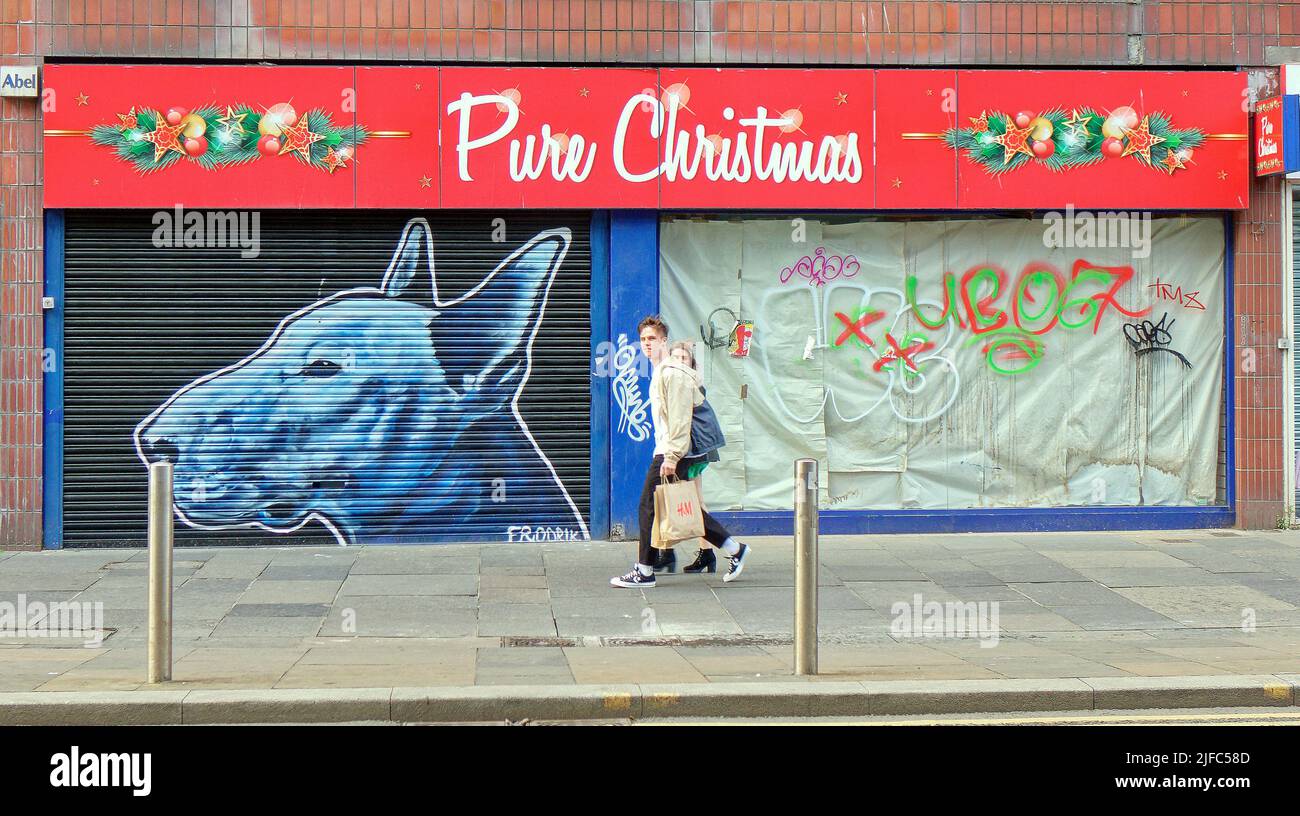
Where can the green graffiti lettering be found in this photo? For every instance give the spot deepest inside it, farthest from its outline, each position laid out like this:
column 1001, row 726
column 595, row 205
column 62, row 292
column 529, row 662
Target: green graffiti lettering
column 1088, row 307
column 949, row 301
column 1049, row 303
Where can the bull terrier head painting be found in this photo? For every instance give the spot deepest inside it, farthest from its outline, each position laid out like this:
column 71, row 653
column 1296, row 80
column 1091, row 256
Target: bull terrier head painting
column 361, row 411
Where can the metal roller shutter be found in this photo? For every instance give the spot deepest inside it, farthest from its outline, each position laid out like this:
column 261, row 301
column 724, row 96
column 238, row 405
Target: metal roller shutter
column 1294, row 353
column 302, row 404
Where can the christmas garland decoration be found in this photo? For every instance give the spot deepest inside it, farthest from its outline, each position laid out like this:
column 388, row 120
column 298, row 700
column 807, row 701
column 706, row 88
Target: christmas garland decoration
column 1060, row 139
column 214, row 137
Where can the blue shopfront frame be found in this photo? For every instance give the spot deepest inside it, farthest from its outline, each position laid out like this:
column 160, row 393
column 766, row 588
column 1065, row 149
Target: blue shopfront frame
column 625, row 287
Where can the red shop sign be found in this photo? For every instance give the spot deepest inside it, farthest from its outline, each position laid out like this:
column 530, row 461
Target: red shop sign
column 1277, row 130
column 672, row 138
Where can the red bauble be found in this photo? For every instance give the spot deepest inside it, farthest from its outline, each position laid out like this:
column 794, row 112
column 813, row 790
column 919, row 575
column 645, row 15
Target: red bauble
column 175, row 115
column 1112, row 147
column 1044, row 148
column 268, row 145
column 196, row 145
column 1024, row 118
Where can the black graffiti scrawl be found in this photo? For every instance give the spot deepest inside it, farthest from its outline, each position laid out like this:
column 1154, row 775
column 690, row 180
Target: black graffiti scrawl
column 1146, row 337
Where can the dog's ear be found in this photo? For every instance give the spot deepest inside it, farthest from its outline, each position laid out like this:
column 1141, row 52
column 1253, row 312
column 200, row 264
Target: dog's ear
column 410, row 273
column 482, row 338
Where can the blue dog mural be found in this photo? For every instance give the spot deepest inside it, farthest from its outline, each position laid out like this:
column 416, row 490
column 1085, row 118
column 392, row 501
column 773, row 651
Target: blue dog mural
column 358, row 411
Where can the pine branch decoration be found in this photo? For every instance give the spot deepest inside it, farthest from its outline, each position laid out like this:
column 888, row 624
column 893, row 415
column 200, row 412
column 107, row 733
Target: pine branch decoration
column 232, row 137
column 1076, row 141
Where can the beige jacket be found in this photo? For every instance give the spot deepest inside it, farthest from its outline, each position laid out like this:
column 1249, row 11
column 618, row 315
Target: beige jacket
column 675, row 393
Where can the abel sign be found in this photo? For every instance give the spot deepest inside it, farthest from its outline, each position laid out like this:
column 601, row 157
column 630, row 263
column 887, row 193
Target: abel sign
column 18, row 80
column 1277, row 135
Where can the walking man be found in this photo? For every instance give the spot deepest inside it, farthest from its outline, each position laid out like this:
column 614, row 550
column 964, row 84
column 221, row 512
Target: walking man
column 674, row 393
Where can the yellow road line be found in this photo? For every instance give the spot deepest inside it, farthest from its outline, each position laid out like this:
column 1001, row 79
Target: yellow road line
column 1282, row 715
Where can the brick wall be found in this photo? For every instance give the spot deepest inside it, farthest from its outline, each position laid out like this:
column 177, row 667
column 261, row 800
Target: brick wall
column 1165, row 33
column 20, row 294
column 1151, row 32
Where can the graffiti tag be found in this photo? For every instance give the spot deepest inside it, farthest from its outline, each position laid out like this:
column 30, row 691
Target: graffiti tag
column 819, row 268
column 1147, row 337
column 1166, row 291
column 538, row 534
column 1041, row 300
column 713, row 338
column 914, row 351
column 632, row 407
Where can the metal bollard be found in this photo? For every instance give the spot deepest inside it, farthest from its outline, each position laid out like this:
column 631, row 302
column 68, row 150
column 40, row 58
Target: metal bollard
column 805, row 566
column 160, row 571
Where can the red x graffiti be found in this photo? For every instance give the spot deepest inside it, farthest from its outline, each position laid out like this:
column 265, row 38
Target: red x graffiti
column 857, row 327
column 904, row 354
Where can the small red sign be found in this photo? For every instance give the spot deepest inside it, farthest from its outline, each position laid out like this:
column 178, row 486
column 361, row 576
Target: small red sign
column 1270, row 146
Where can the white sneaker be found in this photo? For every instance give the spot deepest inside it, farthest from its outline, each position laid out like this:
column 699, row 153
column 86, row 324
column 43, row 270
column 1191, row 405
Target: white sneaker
column 737, row 564
column 633, row 580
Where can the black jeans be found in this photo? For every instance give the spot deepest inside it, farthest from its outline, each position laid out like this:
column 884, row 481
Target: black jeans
column 714, row 533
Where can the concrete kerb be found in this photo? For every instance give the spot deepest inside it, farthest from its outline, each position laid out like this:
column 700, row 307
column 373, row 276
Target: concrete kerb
column 605, row 702
column 774, row 699
column 205, row 707
column 486, row 703
column 978, row 696
column 1191, row 692
column 92, row 707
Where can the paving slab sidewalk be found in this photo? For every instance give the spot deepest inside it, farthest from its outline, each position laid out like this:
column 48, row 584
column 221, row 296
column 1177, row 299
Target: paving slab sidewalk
column 1148, row 608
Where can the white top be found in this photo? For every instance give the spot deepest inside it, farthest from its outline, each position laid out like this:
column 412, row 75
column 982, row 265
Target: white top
column 656, row 410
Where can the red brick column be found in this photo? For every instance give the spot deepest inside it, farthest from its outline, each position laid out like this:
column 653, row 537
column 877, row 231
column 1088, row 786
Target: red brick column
column 1257, row 323
column 20, row 293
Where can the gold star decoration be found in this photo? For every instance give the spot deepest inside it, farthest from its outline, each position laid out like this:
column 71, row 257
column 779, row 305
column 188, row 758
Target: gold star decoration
column 898, row 182
column 583, row 92
column 929, row 92
column 980, row 123
column 425, row 181
column 128, row 119
column 334, row 161
column 417, row 86
column 163, row 138
column 234, row 122
column 94, row 182
column 1184, row 93
column 1076, row 122
column 1015, row 140
column 841, row 98
column 1140, row 140
column 83, row 100
column 1223, row 174
column 298, row 139
column 1171, row 162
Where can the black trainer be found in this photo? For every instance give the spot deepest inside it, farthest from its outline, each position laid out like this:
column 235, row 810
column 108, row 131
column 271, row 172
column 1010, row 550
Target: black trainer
column 737, row 564
column 633, row 580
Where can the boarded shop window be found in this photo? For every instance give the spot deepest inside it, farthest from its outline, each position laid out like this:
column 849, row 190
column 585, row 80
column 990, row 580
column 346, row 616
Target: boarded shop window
column 948, row 364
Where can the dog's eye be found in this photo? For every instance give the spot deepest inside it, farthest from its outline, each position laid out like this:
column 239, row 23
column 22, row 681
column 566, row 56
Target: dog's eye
column 321, row 368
